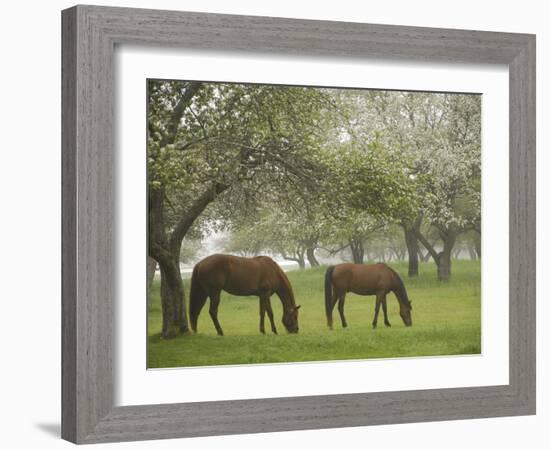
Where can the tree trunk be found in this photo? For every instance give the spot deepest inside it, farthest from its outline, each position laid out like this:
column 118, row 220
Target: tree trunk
column 166, row 251
column 297, row 257
column 411, row 240
column 412, row 248
column 174, row 317
column 443, row 258
column 444, row 263
column 444, row 266
column 151, row 268
column 357, row 251
column 310, row 253
column 174, row 314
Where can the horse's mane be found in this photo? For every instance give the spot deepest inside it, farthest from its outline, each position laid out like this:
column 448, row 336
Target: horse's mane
column 401, row 287
column 285, row 282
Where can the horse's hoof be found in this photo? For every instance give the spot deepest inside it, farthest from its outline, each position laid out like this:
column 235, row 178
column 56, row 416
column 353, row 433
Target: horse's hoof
column 274, row 331
column 374, row 326
column 388, row 324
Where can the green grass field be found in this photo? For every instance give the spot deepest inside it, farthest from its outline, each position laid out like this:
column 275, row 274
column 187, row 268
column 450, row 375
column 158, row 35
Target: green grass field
column 446, row 321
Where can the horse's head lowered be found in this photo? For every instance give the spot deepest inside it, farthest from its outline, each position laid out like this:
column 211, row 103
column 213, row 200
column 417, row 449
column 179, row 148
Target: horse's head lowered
column 405, row 313
column 290, row 318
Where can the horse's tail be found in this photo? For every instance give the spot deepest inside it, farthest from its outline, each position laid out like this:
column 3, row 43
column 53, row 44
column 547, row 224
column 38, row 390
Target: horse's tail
column 328, row 290
column 197, row 298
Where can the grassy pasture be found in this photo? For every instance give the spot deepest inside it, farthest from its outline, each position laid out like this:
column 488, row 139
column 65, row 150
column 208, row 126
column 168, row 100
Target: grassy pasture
column 446, row 321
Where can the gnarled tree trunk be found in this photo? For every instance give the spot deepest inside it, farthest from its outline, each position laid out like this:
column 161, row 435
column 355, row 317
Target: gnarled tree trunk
column 174, row 317
column 165, row 246
column 297, row 257
column 165, row 249
column 174, row 314
column 412, row 248
column 310, row 254
column 411, row 240
column 444, row 266
column 443, row 258
column 357, row 250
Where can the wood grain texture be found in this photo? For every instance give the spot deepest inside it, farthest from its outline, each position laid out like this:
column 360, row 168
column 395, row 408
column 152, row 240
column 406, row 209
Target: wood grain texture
column 523, row 224
column 89, row 36
column 68, row 225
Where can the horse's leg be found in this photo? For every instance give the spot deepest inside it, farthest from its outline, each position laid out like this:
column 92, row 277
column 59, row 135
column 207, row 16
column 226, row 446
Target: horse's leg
column 262, row 315
column 377, row 309
column 341, row 300
column 385, row 309
column 333, row 300
column 270, row 314
column 214, row 303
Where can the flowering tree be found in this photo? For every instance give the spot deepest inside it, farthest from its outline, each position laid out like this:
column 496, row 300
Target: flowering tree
column 436, row 140
column 360, row 191
column 295, row 236
column 209, row 141
column 365, row 192
column 452, row 183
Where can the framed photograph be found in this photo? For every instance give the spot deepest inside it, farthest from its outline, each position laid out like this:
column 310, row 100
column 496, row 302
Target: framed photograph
column 278, row 224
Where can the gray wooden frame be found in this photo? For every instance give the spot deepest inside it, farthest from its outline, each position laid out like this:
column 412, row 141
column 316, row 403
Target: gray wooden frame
column 89, row 36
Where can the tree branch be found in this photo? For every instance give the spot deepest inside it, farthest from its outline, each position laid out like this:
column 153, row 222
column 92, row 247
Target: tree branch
column 427, row 245
column 169, row 136
column 333, row 251
column 194, row 211
column 289, row 258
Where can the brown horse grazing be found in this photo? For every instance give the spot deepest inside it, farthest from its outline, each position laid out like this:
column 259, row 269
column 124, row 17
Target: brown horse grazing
column 365, row 279
column 259, row 276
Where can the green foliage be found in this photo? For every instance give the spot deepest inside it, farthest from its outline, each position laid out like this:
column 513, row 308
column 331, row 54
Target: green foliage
column 366, row 179
column 286, row 231
column 435, row 137
column 323, row 158
column 242, row 137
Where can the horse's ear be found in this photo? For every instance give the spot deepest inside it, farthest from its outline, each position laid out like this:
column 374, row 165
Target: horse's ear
column 298, row 307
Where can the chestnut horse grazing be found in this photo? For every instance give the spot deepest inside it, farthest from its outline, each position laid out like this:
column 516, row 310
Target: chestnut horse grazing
column 259, row 276
column 365, row 279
